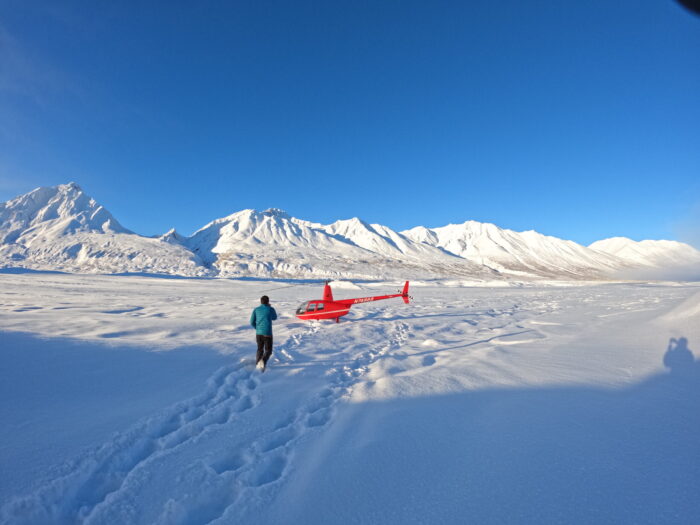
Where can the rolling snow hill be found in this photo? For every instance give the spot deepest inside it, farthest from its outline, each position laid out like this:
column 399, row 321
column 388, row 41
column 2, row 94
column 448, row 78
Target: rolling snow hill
column 61, row 228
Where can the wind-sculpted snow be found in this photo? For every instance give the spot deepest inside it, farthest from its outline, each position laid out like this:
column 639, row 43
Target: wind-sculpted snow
column 63, row 229
column 576, row 404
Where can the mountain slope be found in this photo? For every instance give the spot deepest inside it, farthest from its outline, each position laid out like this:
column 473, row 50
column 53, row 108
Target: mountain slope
column 384, row 240
column 52, row 212
column 649, row 253
column 62, row 228
column 517, row 252
column 250, row 230
column 271, row 243
column 652, row 259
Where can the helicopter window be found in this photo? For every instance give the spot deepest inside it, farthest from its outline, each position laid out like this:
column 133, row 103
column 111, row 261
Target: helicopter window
column 302, row 308
column 319, row 306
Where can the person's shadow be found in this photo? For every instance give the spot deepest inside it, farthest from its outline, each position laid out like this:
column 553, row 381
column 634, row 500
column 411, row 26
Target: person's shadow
column 678, row 358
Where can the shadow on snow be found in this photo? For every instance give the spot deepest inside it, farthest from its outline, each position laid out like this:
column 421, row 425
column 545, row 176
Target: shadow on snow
column 529, row 455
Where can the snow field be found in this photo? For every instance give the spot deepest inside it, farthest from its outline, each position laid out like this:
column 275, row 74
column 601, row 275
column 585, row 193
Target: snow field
column 469, row 405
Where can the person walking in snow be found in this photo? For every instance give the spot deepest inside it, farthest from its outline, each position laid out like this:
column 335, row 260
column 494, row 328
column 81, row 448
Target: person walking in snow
column 261, row 319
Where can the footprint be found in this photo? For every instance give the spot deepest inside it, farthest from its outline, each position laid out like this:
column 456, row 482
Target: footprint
column 286, row 421
column 326, row 392
column 278, row 439
column 319, row 418
column 428, row 360
column 202, row 508
column 219, row 377
column 229, row 463
column 270, row 469
column 176, row 438
column 192, row 414
column 243, row 404
column 169, row 426
column 222, row 417
column 229, row 390
column 318, row 404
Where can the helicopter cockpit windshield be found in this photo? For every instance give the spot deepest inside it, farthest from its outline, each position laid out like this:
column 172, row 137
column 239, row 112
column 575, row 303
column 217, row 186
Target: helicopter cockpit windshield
column 310, row 306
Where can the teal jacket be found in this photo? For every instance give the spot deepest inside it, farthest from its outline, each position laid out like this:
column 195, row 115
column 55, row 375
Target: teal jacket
column 261, row 319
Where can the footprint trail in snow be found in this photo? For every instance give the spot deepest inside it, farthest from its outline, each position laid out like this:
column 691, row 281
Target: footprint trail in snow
column 104, row 485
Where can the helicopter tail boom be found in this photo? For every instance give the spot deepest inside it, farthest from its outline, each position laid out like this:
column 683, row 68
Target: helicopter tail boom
column 403, row 294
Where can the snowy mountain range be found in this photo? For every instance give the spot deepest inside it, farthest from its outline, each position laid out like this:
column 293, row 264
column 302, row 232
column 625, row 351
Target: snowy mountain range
column 61, row 228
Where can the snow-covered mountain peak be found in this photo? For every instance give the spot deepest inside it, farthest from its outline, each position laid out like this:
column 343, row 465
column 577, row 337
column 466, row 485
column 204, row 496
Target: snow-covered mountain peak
column 354, row 221
column 248, row 216
column 62, row 228
column 276, row 212
column 173, row 237
column 613, row 243
column 71, row 186
column 54, row 211
column 471, row 227
column 423, row 235
column 354, row 224
column 250, row 231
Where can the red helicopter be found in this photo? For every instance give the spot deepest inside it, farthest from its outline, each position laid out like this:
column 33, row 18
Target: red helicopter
column 329, row 308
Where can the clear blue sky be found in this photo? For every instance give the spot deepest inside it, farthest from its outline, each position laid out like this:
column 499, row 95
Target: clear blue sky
column 576, row 119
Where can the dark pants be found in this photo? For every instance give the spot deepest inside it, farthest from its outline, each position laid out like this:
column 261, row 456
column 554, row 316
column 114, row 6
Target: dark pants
column 264, row 347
